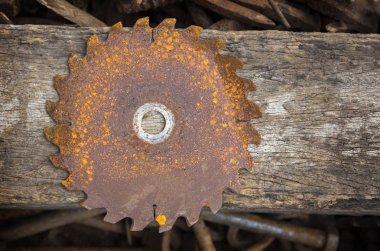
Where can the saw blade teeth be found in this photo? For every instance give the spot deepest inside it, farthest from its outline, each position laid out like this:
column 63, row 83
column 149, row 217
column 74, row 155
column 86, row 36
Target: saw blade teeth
column 217, row 202
column 165, row 227
column 112, row 217
column 117, row 26
column 194, row 31
column 254, row 110
column 109, row 217
column 139, row 223
column 57, row 160
column 254, row 136
column 91, row 201
column 248, row 84
column 137, row 227
column 169, row 220
column 192, row 218
column 168, row 23
column 74, row 61
column 116, row 29
column 219, row 43
column 215, row 45
column 92, row 44
column 233, row 64
column 54, row 135
column 90, row 80
column 50, row 134
column 234, row 185
column 58, row 83
column 142, row 23
column 67, row 183
column 86, row 204
column 247, row 109
column 51, row 107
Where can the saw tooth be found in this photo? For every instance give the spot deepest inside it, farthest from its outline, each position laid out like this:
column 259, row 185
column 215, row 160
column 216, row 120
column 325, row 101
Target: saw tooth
column 57, row 160
column 68, row 182
column 74, row 61
column 164, row 30
column 139, row 223
column 141, row 32
column 59, row 82
column 50, row 108
column 117, row 26
column 86, row 204
column 137, row 226
column 216, row 203
column 50, row 134
column 194, row 30
column 92, row 44
column 192, row 218
column 168, row 23
column 248, row 84
column 166, row 227
column 110, row 218
column 215, row 45
column 170, row 219
column 254, row 136
column 254, row 111
column 142, row 23
column 91, row 201
column 247, row 110
column 115, row 31
column 59, row 135
column 232, row 63
column 234, row 185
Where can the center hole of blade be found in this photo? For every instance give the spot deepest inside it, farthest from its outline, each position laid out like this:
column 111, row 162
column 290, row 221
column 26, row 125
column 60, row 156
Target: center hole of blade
column 153, row 122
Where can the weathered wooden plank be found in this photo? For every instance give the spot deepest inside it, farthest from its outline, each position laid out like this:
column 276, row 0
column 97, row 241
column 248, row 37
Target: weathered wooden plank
column 320, row 96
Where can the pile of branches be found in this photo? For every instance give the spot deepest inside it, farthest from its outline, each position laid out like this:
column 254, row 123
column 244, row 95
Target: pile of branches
column 360, row 16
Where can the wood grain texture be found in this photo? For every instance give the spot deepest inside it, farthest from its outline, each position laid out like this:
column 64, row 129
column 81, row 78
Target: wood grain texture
column 319, row 93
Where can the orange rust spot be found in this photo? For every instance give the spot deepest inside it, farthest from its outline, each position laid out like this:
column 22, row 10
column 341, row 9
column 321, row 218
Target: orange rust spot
column 161, row 219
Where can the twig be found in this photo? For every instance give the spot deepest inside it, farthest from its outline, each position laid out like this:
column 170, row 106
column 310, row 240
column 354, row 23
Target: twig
column 4, row 19
column 203, row 236
column 166, row 241
column 308, row 236
column 98, row 222
column 279, row 14
column 40, row 223
column 72, row 13
column 235, row 11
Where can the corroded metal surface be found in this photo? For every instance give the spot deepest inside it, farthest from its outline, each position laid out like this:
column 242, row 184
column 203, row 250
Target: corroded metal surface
column 129, row 176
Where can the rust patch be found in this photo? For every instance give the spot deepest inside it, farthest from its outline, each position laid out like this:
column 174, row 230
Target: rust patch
column 100, row 148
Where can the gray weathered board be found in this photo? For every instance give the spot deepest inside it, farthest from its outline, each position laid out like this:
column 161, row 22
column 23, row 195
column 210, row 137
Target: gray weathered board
column 319, row 93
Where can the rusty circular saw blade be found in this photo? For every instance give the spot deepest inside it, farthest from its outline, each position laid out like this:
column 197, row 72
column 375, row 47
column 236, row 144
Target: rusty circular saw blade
column 130, row 177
